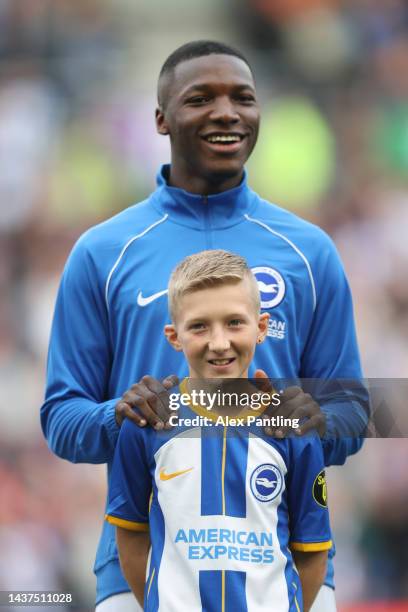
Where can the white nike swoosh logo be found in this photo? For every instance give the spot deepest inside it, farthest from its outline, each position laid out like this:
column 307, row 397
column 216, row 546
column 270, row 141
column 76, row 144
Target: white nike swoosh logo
column 144, row 301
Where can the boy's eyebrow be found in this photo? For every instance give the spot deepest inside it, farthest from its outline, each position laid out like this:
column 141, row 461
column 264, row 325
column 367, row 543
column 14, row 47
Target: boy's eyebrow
column 196, row 320
column 230, row 315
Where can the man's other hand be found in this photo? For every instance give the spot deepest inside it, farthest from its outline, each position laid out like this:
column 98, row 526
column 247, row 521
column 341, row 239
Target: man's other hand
column 295, row 404
column 147, row 402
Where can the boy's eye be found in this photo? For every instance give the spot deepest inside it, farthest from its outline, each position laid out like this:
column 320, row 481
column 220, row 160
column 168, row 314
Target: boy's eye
column 197, row 326
column 235, row 322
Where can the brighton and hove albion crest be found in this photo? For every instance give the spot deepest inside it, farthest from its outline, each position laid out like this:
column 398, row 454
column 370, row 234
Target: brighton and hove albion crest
column 271, row 286
column 266, row 482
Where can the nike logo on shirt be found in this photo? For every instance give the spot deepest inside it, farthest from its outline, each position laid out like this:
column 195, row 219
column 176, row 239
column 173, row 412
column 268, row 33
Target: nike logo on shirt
column 164, row 476
column 144, row 301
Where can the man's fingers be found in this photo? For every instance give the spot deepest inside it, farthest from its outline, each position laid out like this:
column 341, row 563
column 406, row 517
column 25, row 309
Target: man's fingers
column 261, row 381
column 159, row 404
column 275, row 432
column 124, row 411
column 157, row 396
column 305, row 409
column 146, row 403
column 316, row 422
column 292, row 401
column 300, row 406
column 260, row 374
column 290, row 393
column 170, row 381
column 309, row 417
column 132, row 415
column 286, row 409
column 149, row 414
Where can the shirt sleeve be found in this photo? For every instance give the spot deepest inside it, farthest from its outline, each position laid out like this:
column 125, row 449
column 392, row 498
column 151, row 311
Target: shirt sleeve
column 307, row 497
column 331, row 353
column 78, row 417
column 130, row 483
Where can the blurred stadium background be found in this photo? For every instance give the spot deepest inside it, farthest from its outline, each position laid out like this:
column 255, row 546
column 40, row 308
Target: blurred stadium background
column 78, row 143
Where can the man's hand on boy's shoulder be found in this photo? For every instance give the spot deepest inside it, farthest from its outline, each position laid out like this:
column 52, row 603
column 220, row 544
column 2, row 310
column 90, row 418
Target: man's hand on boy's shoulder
column 146, row 402
column 294, row 404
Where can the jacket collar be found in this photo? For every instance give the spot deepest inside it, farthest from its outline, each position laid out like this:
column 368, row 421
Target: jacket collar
column 218, row 210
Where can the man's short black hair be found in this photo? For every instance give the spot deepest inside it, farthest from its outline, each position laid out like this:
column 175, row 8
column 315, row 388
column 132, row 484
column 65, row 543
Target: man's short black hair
column 196, row 48
column 199, row 48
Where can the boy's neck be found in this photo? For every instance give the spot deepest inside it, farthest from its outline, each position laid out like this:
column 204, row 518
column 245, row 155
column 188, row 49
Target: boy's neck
column 209, row 391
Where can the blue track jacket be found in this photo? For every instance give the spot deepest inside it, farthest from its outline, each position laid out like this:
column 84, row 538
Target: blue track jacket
column 111, row 309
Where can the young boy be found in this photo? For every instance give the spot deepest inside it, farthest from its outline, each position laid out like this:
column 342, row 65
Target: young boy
column 237, row 521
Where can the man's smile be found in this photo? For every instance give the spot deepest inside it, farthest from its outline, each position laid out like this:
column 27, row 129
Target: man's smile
column 224, row 142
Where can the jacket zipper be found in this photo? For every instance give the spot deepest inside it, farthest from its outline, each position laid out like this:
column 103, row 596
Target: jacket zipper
column 207, row 225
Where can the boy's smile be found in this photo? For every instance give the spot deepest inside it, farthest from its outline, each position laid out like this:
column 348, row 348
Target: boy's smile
column 218, row 328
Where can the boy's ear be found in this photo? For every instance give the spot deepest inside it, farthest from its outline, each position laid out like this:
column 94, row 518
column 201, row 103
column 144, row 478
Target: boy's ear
column 172, row 337
column 161, row 124
column 262, row 326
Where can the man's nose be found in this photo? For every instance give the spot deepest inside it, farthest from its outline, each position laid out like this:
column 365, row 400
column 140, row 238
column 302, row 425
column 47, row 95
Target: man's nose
column 219, row 341
column 224, row 110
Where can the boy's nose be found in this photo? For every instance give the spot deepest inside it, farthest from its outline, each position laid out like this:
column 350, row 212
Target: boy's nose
column 219, row 342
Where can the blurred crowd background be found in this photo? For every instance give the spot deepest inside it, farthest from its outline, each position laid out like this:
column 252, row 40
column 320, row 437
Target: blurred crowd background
column 78, row 144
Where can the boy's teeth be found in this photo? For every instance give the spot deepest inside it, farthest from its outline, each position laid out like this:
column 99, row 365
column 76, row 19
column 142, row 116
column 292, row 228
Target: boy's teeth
column 220, row 361
column 219, row 138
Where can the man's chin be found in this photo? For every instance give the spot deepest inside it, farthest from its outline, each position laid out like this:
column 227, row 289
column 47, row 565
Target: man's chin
column 223, row 376
column 220, row 171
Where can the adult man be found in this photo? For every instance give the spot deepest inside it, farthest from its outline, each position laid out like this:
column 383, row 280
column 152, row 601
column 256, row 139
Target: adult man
column 111, row 307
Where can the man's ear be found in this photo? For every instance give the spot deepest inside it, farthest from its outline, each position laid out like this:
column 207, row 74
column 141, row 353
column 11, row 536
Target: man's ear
column 171, row 334
column 161, row 124
column 262, row 326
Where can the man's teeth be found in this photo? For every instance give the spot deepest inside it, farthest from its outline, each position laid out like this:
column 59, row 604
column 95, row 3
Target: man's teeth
column 224, row 138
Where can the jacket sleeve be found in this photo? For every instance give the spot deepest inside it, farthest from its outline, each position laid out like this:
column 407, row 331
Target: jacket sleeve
column 331, row 361
column 77, row 417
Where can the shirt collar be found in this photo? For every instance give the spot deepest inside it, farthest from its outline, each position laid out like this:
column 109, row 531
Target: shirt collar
column 213, row 414
column 194, row 210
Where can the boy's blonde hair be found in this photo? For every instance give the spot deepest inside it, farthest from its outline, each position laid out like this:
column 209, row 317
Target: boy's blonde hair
column 209, row 269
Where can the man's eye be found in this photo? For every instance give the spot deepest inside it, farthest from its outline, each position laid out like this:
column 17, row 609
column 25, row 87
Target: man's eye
column 198, row 100
column 246, row 98
column 235, row 322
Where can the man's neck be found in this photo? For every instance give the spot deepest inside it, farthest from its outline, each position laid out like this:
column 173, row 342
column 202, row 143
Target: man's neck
column 202, row 185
